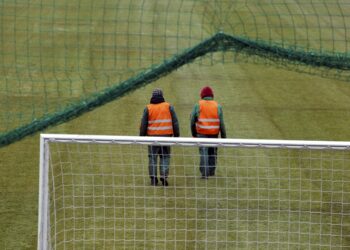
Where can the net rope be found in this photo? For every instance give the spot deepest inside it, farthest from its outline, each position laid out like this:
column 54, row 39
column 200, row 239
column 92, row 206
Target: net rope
column 60, row 59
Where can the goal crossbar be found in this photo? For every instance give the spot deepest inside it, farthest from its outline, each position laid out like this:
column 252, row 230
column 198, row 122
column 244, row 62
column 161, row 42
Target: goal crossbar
column 187, row 141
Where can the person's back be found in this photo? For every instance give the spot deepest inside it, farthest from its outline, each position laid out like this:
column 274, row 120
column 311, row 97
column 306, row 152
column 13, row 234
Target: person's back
column 207, row 122
column 159, row 119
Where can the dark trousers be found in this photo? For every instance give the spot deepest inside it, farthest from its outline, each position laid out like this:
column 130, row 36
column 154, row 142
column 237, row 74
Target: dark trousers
column 164, row 161
column 208, row 156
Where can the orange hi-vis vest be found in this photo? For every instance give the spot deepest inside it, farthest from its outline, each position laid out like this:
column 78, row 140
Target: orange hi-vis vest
column 208, row 121
column 159, row 119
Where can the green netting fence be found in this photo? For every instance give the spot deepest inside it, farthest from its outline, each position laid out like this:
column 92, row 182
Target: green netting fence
column 59, row 59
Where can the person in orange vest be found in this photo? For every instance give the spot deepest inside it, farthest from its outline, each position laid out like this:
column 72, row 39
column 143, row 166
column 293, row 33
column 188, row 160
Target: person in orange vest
column 207, row 121
column 159, row 119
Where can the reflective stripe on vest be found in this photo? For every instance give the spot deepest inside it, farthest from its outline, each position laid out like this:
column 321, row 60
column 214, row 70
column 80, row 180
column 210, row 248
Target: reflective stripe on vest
column 208, row 121
column 159, row 119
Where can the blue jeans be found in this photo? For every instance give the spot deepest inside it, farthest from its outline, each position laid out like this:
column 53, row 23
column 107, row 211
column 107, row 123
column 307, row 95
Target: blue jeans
column 164, row 155
column 208, row 156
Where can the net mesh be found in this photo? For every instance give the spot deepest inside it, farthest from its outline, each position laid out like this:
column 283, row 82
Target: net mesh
column 59, row 59
column 261, row 198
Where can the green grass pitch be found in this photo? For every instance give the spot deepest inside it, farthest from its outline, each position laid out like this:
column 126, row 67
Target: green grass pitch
column 259, row 102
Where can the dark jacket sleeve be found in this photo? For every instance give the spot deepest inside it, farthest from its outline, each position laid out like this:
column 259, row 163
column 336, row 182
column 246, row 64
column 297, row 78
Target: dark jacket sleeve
column 175, row 122
column 222, row 124
column 194, row 118
column 144, row 123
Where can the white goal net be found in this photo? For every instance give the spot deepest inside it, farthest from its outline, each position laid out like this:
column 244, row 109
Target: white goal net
column 96, row 193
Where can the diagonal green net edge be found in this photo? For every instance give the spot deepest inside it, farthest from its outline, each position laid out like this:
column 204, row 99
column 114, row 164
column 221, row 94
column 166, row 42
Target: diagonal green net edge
column 218, row 42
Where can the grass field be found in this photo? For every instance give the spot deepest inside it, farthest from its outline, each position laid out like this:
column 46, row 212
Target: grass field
column 259, row 100
column 296, row 111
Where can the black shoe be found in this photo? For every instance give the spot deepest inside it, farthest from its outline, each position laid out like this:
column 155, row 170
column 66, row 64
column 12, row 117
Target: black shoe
column 212, row 171
column 154, row 181
column 164, row 182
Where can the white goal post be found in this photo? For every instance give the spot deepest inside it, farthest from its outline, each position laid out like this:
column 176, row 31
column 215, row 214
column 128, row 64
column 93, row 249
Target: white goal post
column 95, row 193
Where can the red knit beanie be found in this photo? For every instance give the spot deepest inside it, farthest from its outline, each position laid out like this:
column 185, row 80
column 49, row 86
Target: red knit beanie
column 206, row 92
